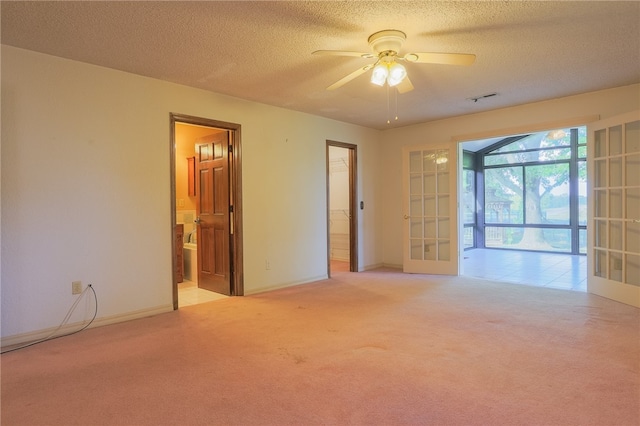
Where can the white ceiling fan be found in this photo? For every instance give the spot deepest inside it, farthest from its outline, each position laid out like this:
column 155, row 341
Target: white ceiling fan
column 387, row 68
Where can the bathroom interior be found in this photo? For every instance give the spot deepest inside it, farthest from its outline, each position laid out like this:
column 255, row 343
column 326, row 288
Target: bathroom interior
column 185, row 140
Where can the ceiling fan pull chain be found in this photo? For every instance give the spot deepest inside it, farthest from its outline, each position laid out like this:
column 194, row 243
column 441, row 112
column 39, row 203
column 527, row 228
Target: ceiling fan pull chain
column 388, row 114
column 396, row 95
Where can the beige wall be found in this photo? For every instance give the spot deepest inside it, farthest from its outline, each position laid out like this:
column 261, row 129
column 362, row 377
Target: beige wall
column 573, row 110
column 86, row 190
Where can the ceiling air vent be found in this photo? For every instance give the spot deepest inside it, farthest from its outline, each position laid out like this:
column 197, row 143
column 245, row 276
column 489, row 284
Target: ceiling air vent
column 477, row 98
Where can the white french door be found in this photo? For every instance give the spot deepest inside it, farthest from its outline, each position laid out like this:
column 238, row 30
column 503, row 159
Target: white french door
column 430, row 232
column 613, row 256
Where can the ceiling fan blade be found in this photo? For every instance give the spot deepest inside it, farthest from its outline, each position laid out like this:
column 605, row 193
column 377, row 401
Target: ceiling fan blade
column 405, row 85
column 344, row 53
column 348, row 78
column 440, row 58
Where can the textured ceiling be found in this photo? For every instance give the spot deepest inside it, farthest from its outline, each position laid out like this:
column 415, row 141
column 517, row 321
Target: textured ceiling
column 261, row 50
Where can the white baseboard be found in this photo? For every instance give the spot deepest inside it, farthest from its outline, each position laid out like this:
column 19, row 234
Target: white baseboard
column 382, row 265
column 392, row 266
column 291, row 284
column 33, row 336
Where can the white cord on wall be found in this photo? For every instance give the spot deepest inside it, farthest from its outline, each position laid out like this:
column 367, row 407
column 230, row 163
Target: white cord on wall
column 52, row 335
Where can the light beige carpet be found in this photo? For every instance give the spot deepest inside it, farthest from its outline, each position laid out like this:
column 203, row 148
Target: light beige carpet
column 369, row 348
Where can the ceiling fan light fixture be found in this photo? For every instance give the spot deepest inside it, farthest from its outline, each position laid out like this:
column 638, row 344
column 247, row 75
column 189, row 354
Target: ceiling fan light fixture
column 380, row 74
column 397, row 73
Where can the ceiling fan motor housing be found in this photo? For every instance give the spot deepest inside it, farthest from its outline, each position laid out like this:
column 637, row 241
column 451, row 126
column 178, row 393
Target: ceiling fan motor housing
column 387, row 40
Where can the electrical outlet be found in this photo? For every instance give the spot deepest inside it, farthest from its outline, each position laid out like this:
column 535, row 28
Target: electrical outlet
column 76, row 287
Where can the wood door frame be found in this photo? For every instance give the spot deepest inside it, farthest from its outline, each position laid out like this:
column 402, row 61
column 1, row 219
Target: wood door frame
column 235, row 193
column 353, row 205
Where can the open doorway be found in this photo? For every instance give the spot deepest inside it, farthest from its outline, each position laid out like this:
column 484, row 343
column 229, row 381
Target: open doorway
column 523, row 202
column 341, row 208
column 206, row 210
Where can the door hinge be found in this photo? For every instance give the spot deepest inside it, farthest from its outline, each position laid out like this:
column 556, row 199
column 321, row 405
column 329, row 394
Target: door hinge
column 230, row 209
column 231, row 148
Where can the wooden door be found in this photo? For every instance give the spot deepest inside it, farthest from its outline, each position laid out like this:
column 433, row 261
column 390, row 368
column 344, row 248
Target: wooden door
column 613, row 251
column 213, row 216
column 430, row 232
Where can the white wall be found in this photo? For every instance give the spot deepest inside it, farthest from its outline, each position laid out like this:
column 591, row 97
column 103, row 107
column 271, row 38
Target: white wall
column 86, row 189
column 536, row 116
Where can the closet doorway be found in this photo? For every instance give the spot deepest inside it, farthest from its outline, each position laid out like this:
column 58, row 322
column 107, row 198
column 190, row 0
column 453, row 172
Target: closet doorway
column 342, row 238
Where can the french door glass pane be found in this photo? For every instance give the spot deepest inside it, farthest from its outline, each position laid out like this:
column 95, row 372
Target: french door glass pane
column 416, row 228
column 429, row 161
column 632, row 275
column 429, row 183
column 615, row 203
column 416, row 249
column 615, row 266
column 415, row 206
column 443, row 182
column 415, row 184
column 632, row 137
column 415, row 162
column 632, row 241
column 615, row 140
column 443, row 228
column 632, row 175
column 430, row 205
column 615, row 235
column 444, row 250
column 600, row 203
column 600, row 175
column 615, row 171
column 600, row 233
column 430, row 228
column 430, row 250
column 443, row 205
column 600, row 263
column 600, row 143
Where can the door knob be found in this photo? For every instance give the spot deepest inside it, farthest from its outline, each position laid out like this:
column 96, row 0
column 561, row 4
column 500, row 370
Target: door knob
column 406, row 217
column 197, row 221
